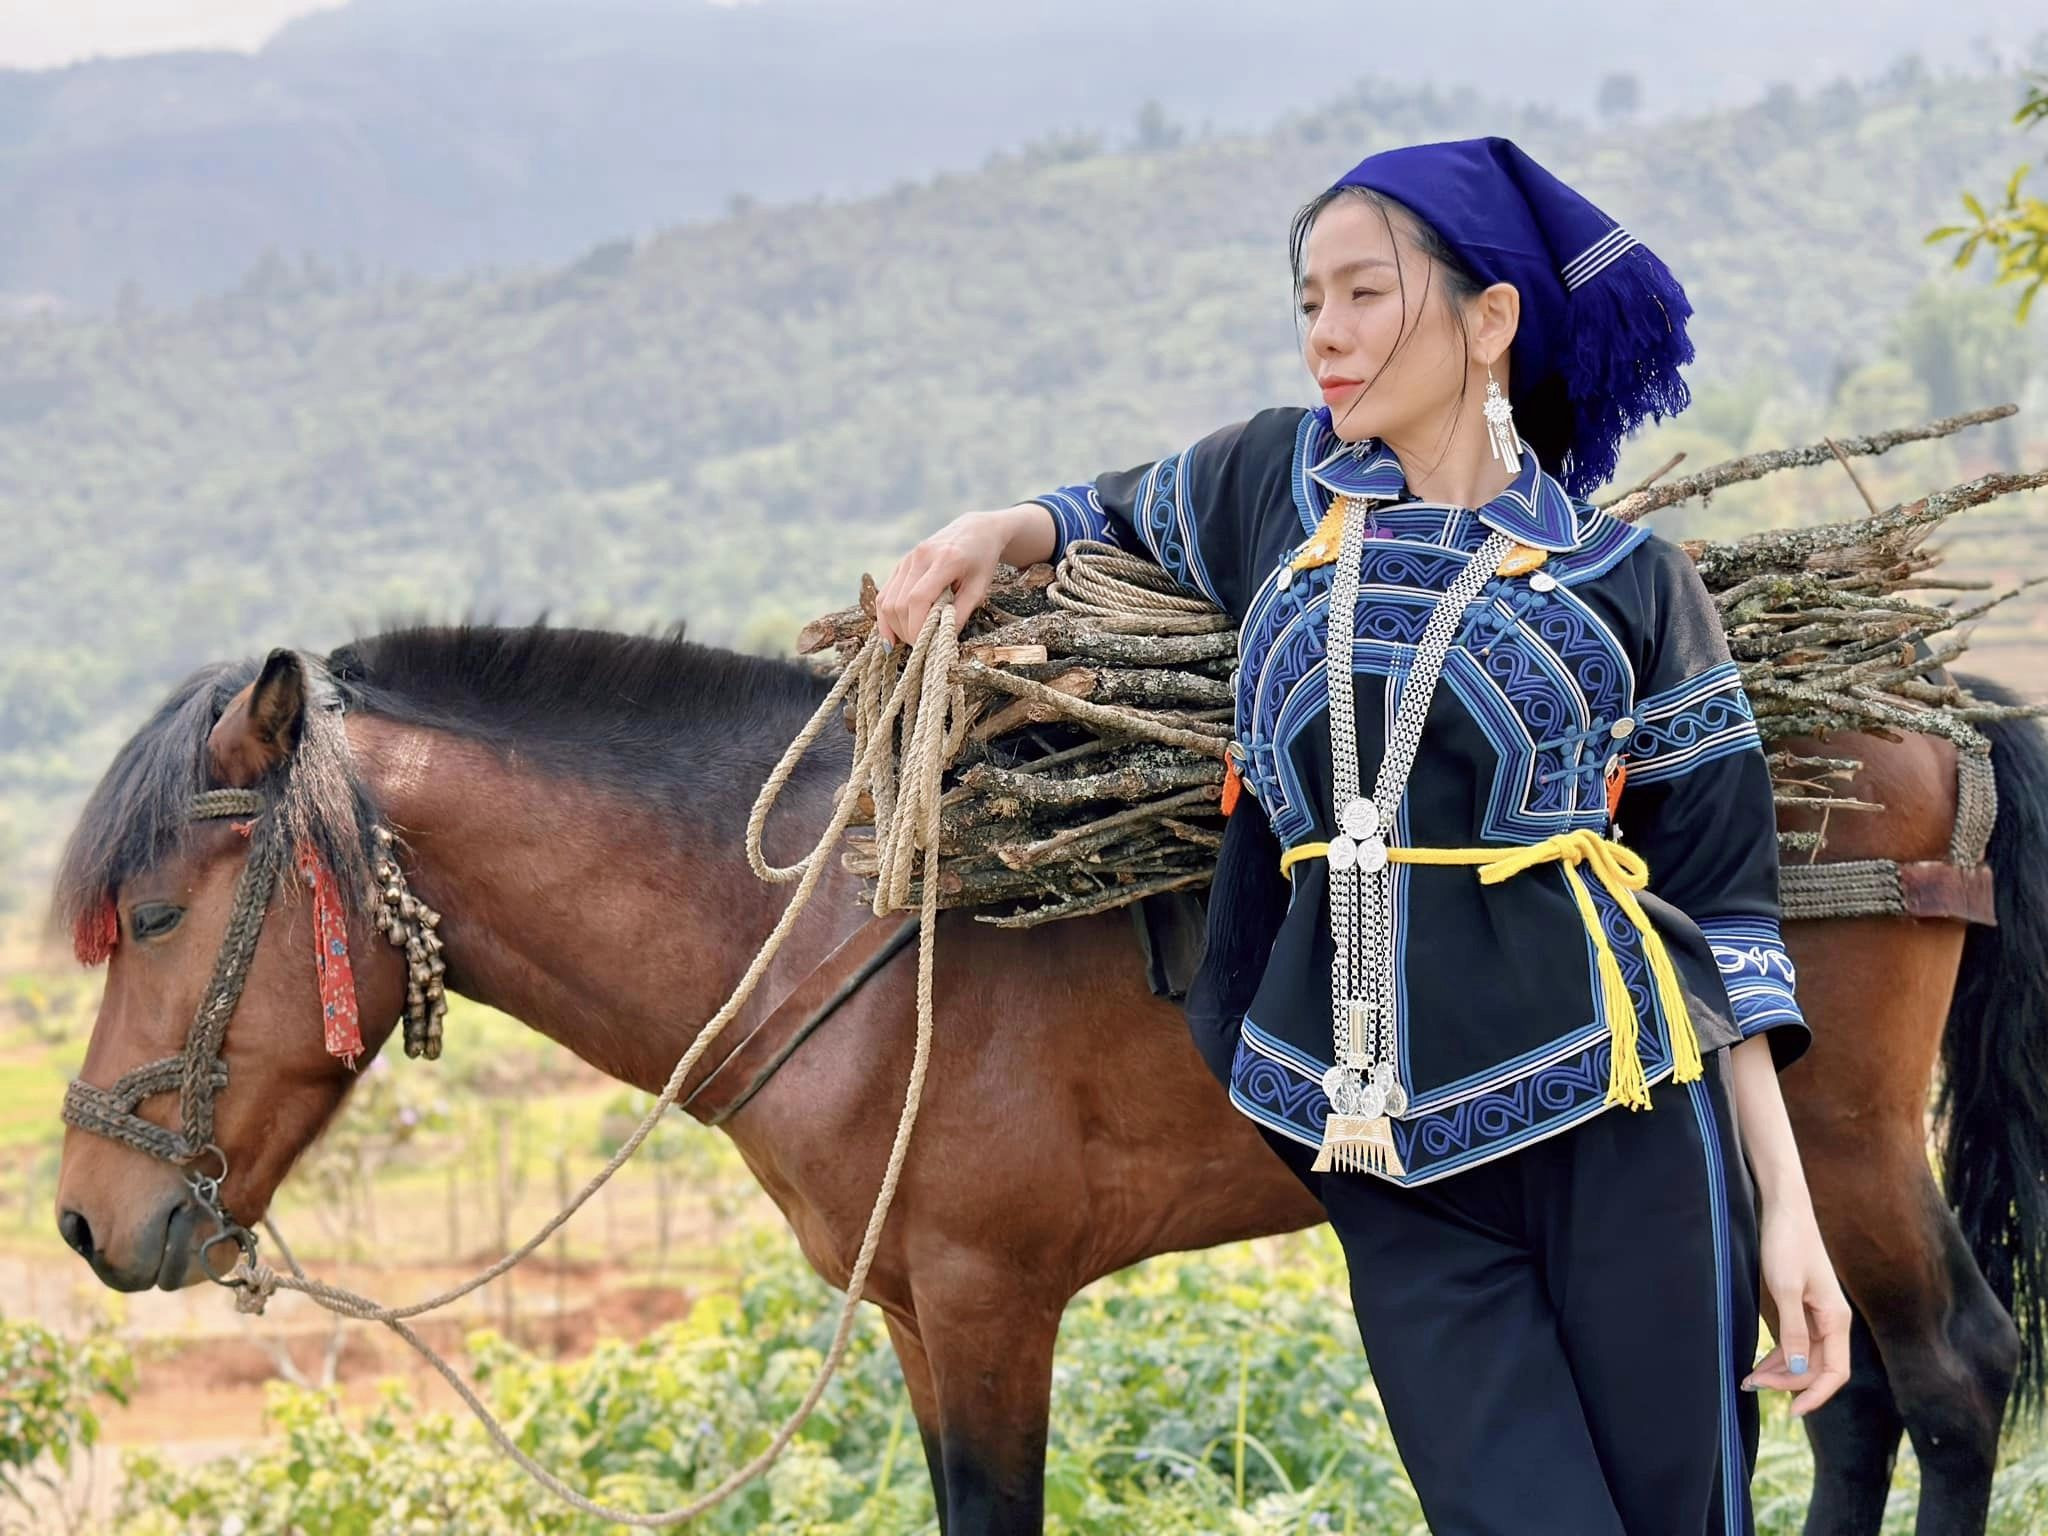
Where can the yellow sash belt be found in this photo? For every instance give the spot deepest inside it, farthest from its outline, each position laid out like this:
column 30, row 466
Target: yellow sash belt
column 1623, row 872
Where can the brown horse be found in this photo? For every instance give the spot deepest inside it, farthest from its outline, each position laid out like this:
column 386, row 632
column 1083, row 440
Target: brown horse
column 573, row 802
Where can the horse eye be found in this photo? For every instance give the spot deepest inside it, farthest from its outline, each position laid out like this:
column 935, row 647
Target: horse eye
column 154, row 919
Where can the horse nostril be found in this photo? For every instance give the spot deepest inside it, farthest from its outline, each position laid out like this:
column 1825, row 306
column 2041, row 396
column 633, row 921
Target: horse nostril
column 76, row 1231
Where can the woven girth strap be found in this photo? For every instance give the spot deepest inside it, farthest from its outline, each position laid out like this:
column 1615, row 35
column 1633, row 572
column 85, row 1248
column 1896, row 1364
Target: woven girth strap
column 1923, row 888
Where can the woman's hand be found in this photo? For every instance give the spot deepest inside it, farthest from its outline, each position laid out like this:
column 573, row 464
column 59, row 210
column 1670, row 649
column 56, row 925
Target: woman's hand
column 962, row 555
column 1801, row 1299
column 1803, row 1305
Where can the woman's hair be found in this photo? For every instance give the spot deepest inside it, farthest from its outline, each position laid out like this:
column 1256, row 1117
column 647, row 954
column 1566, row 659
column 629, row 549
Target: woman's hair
column 1542, row 412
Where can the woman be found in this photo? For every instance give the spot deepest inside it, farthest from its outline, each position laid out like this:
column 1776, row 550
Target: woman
column 1434, row 967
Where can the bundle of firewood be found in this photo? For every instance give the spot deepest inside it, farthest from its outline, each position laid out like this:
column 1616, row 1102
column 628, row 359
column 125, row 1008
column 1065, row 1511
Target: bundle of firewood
column 1092, row 769
column 1099, row 695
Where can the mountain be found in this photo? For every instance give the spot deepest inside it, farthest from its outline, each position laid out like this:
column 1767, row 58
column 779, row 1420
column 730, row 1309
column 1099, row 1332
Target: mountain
column 436, row 136
column 727, row 422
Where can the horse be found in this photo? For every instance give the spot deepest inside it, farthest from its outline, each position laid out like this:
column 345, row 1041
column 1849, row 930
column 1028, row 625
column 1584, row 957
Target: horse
column 573, row 801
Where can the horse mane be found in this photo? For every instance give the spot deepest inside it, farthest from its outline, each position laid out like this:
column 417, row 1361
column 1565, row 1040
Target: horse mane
column 138, row 814
column 663, row 719
column 653, row 716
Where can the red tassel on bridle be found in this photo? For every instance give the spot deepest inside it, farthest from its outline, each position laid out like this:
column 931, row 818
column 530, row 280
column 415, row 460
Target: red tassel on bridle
column 339, row 1018
column 96, row 931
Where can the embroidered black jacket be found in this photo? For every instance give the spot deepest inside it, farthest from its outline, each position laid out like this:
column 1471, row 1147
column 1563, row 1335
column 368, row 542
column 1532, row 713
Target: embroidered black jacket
column 1611, row 648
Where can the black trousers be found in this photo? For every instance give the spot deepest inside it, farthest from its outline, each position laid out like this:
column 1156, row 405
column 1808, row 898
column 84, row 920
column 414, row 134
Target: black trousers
column 1558, row 1335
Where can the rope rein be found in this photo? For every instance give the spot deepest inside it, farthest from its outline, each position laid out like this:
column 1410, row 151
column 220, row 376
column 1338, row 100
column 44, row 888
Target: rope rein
column 921, row 709
column 907, row 727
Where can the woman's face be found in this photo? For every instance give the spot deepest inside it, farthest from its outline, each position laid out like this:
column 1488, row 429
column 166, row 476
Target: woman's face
column 1381, row 373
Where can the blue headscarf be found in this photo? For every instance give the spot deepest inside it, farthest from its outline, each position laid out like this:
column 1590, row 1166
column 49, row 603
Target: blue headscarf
column 1599, row 310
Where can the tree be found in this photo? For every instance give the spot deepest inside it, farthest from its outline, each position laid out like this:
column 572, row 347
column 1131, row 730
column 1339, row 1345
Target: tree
column 1156, row 131
column 1959, row 345
column 1621, row 97
column 2015, row 232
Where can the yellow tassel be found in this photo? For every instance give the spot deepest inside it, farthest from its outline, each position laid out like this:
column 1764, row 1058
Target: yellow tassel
column 1625, row 1081
column 1622, row 873
column 1354, row 1144
column 1685, row 1043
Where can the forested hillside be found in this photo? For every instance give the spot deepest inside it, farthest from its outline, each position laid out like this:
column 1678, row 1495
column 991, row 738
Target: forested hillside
column 728, row 423
column 438, row 136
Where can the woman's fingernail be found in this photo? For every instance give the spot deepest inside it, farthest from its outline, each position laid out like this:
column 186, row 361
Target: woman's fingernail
column 1797, row 1365
column 1749, row 1383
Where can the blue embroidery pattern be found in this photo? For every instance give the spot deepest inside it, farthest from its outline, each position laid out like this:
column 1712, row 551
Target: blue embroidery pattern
column 1705, row 717
column 1280, row 1088
column 1076, row 514
column 1531, row 684
column 1541, row 670
column 1756, row 969
column 1165, row 523
column 1536, row 509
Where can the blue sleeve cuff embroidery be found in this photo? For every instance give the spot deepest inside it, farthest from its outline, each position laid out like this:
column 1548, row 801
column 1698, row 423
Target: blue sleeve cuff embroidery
column 1166, row 522
column 1076, row 514
column 1705, row 717
column 1756, row 970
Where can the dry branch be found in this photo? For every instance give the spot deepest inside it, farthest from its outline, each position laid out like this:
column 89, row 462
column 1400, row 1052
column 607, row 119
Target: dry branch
column 1101, row 696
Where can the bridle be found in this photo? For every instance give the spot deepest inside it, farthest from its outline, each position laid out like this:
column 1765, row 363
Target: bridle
column 198, row 1072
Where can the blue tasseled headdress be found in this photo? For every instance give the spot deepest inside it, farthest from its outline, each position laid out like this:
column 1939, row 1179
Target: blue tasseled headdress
column 1598, row 308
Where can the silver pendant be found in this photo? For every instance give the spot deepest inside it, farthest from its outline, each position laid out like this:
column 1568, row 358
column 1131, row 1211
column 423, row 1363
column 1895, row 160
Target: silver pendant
column 1343, row 854
column 1361, row 818
column 1392, row 1094
column 1344, row 1087
column 1350, row 1092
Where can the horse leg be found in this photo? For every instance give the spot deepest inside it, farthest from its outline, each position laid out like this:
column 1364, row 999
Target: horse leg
column 924, row 1404
column 1855, row 1441
column 1951, row 1352
column 1858, row 1103
column 1947, row 1348
column 990, row 1347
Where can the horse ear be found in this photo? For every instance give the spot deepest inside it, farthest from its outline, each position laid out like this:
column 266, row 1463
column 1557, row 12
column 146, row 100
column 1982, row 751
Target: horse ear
column 260, row 727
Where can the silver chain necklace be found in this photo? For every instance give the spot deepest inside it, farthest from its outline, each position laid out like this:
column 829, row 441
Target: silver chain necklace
column 1363, row 1083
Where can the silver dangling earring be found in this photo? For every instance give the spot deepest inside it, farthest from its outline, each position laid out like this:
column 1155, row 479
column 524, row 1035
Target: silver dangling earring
column 1500, row 425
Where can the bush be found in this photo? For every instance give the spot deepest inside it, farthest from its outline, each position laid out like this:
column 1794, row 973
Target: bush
column 49, row 1391
column 1222, row 1392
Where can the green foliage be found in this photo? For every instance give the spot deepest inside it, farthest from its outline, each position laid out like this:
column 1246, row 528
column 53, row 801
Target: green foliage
column 1195, row 1395
column 50, row 1389
column 1215, row 1392
column 2014, row 231
column 729, row 422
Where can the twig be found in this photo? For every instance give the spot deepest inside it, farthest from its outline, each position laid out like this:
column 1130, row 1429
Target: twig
column 1849, row 470
column 1755, row 466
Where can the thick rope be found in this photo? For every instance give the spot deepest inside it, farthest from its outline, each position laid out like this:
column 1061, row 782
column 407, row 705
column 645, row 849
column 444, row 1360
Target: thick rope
column 1099, row 580
column 930, row 710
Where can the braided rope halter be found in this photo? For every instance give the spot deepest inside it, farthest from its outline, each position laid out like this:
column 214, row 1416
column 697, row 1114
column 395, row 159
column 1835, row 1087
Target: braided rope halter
column 198, row 1072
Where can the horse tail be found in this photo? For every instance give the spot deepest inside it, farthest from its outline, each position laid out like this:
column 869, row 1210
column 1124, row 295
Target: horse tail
column 1993, row 1101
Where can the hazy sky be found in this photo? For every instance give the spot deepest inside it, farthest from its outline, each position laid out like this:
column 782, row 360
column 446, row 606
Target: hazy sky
column 41, row 34
column 35, row 34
